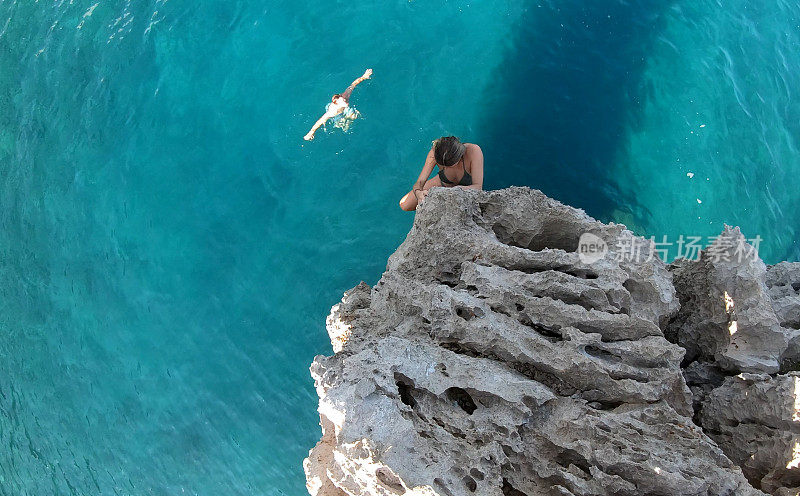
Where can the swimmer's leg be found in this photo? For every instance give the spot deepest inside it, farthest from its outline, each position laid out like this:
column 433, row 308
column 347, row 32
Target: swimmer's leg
column 409, row 202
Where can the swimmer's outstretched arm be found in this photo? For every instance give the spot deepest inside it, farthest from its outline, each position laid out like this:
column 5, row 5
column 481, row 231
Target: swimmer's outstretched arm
column 310, row 135
column 349, row 90
column 327, row 115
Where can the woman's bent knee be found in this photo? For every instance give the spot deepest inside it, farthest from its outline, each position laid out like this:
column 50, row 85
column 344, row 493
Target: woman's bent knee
column 408, row 204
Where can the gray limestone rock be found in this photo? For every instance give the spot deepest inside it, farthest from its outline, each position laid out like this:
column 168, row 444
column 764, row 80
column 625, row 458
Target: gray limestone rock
column 727, row 313
column 740, row 317
column 495, row 358
column 755, row 419
column 702, row 378
column 783, row 281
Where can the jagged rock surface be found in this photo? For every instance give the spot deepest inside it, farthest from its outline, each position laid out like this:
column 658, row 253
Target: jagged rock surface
column 490, row 359
column 728, row 314
column 783, row 281
column 739, row 323
column 754, row 417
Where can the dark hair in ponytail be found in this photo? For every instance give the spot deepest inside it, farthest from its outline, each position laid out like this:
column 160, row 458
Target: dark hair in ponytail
column 448, row 150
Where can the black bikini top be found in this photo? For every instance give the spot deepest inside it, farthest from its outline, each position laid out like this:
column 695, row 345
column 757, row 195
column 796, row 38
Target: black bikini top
column 466, row 179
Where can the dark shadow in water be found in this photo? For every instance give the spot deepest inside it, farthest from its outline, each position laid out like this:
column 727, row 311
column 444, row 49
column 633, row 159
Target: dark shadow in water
column 563, row 98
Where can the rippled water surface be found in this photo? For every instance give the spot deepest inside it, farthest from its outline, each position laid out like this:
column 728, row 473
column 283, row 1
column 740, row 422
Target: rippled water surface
column 170, row 245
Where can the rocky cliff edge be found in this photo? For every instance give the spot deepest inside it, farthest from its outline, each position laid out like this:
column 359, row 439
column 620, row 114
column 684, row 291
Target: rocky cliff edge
column 492, row 358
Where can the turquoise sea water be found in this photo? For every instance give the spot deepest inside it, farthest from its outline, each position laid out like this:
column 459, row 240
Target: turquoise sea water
column 170, row 245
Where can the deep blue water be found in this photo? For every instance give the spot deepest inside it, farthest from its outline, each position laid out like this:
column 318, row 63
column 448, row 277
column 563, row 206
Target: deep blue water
column 170, row 245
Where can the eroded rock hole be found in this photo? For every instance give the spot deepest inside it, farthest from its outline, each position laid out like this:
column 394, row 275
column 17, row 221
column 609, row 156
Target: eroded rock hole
column 571, row 457
column 449, row 284
column 604, row 405
column 462, row 399
column 601, row 354
column 456, row 347
column 450, row 278
column 619, row 375
column 579, row 273
column 467, row 313
column 451, row 429
column 500, row 309
column 796, row 286
column 509, row 490
column 552, row 381
column 405, row 393
column 551, row 335
column 442, row 486
column 637, row 290
column 471, row 484
column 390, row 480
column 557, row 235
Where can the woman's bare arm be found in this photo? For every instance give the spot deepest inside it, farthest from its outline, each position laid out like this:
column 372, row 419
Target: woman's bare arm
column 422, row 186
column 427, row 168
column 476, row 160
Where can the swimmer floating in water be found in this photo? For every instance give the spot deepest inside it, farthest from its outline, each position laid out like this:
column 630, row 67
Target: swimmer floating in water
column 339, row 109
column 460, row 165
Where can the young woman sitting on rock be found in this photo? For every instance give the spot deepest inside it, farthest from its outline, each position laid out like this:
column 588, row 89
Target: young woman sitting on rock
column 460, row 165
